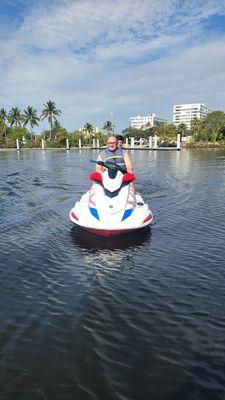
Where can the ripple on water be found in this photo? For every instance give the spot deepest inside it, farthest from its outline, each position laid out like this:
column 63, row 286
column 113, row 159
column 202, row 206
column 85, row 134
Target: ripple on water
column 133, row 317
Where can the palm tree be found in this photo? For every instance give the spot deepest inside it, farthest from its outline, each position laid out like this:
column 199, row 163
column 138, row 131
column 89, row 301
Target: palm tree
column 195, row 125
column 50, row 112
column 15, row 117
column 182, row 129
column 57, row 124
column 3, row 117
column 108, row 126
column 88, row 128
column 30, row 117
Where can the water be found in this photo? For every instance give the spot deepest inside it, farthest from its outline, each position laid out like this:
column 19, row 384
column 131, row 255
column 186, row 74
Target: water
column 131, row 318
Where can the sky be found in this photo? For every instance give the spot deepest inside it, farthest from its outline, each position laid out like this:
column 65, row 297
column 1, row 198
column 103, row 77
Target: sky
column 105, row 60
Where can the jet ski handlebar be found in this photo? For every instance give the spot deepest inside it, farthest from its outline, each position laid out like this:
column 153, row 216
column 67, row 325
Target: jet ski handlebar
column 110, row 166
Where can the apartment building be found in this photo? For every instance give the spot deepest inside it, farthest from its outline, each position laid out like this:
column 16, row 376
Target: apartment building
column 146, row 122
column 186, row 113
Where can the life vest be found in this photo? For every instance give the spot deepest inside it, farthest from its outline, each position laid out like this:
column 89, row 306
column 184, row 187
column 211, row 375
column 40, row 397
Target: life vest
column 114, row 157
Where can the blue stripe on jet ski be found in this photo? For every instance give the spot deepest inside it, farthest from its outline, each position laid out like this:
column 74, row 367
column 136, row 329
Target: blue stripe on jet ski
column 94, row 212
column 127, row 213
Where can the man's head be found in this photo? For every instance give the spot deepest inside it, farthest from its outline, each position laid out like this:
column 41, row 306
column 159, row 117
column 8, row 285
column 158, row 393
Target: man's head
column 112, row 143
column 120, row 140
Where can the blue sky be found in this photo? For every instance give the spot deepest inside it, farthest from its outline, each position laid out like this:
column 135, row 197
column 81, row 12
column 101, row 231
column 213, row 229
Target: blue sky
column 95, row 58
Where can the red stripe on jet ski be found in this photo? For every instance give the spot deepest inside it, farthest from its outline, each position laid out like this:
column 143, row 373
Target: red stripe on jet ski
column 73, row 215
column 107, row 232
column 148, row 218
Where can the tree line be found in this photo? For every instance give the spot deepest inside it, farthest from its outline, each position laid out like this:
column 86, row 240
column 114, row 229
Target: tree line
column 13, row 125
column 19, row 125
column 209, row 129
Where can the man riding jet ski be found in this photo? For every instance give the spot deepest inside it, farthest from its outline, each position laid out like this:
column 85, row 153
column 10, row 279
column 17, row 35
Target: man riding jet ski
column 111, row 207
column 115, row 154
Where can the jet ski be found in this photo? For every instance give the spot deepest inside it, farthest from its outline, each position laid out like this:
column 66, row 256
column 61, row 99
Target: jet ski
column 111, row 206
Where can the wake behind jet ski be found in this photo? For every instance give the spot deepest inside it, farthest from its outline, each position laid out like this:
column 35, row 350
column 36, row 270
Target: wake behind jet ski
column 111, row 206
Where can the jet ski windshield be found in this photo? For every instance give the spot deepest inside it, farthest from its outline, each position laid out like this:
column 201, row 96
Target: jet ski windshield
column 112, row 172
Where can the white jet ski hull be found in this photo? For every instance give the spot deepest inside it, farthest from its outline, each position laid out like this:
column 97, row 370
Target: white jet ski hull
column 111, row 207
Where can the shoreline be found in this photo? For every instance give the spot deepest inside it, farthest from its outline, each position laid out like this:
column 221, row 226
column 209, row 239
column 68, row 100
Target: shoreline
column 202, row 145
column 183, row 146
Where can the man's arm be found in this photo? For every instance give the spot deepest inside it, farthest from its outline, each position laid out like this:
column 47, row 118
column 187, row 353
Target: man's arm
column 128, row 163
column 98, row 167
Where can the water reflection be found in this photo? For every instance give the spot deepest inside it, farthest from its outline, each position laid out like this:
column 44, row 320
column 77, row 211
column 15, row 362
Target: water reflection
column 94, row 242
column 110, row 256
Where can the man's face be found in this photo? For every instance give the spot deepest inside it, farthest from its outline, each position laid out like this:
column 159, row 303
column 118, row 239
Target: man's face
column 120, row 143
column 112, row 143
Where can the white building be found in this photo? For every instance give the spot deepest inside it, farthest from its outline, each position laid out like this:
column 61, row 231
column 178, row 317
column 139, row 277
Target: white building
column 145, row 122
column 186, row 113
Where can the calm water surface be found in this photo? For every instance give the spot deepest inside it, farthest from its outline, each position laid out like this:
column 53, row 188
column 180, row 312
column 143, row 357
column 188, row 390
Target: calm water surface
column 99, row 319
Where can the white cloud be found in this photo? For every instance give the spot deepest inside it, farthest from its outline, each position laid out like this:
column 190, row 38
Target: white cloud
column 94, row 57
column 82, row 22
